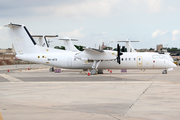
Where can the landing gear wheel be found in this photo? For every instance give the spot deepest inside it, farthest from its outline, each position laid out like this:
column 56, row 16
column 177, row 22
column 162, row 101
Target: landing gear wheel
column 164, row 72
column 93, row 72
column 51, row 69
column 100, row 71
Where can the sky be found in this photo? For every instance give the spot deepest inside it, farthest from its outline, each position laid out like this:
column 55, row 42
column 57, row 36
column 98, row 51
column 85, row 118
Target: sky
column 92, row 22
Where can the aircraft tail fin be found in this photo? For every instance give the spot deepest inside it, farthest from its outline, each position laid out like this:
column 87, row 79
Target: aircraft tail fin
column 43, row 39
column 128, row 45
column 69, row 45
column 22, row 40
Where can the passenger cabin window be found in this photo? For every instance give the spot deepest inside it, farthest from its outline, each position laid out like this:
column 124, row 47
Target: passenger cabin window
column 134, row 59
column 122, row 59
column 125, row 59
column 129, row 59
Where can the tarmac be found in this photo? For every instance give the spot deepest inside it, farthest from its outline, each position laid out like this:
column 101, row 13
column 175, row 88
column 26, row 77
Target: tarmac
column 38, row 94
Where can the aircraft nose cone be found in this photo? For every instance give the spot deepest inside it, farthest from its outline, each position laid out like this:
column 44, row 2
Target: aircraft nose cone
column 172, row 65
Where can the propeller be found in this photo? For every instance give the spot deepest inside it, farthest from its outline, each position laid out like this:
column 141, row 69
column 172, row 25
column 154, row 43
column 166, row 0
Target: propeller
column 118, row 54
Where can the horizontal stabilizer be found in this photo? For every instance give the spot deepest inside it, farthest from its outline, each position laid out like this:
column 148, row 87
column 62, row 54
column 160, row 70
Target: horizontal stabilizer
column 13, row 25
column 68, row 39
column 127, row 41
column 45, row 36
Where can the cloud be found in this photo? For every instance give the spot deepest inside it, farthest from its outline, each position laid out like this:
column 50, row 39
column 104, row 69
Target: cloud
column 154, row 5
column 80, row 9
column 73, row 34
column 175, row 35
column 100, row 34
column 159, row 33
column 4, row 38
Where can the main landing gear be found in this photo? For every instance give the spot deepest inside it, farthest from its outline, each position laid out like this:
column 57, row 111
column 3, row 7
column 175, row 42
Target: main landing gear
column 95, row 66
column 51, row 69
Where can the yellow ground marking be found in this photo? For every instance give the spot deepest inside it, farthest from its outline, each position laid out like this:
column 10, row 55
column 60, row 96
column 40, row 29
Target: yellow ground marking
column 1, row 117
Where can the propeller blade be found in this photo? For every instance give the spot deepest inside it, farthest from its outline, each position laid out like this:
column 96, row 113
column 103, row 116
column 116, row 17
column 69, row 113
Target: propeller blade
column 118, row 53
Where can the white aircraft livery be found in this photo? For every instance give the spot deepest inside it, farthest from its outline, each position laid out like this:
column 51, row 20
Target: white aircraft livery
column 27, row 49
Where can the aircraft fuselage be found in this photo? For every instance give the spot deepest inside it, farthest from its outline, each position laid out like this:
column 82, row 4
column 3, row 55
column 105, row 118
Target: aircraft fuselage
column 66, row 59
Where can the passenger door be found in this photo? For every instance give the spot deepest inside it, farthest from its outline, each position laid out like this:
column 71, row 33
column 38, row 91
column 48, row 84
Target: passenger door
column 139, row 61
column 69, row 62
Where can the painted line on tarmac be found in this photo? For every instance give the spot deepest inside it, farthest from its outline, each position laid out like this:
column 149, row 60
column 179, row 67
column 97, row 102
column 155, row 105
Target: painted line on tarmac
column 1, row 118
column 94, row 82
column 11, row 79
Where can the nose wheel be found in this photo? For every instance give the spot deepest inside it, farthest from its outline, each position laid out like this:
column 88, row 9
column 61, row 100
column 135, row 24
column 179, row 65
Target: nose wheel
column 164, row 72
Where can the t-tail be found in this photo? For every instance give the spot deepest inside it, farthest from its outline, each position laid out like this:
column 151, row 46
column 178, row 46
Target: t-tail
column 22, row 40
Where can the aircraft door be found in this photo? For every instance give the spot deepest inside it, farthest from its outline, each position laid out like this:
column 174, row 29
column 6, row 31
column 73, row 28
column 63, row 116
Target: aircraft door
column 139, row 61
column 69, row 62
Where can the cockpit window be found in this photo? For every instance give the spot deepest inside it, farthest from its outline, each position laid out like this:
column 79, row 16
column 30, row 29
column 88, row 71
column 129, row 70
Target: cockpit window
column 162, row 57
column 158, row 57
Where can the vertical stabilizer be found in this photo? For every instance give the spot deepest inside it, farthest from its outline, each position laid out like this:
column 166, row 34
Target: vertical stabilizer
column 22, row 39
column 69, row 45
column 128, row 45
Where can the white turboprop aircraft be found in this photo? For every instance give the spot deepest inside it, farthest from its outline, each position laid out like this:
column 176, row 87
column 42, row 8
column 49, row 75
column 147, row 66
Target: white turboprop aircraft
column 27, row 49
column 129, row 47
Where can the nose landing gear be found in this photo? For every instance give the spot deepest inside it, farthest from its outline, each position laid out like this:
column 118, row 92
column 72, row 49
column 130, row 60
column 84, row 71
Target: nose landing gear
column 164, row 72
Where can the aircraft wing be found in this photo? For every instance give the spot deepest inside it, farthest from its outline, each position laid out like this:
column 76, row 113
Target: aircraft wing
column 96, row 54
column 94, row 50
